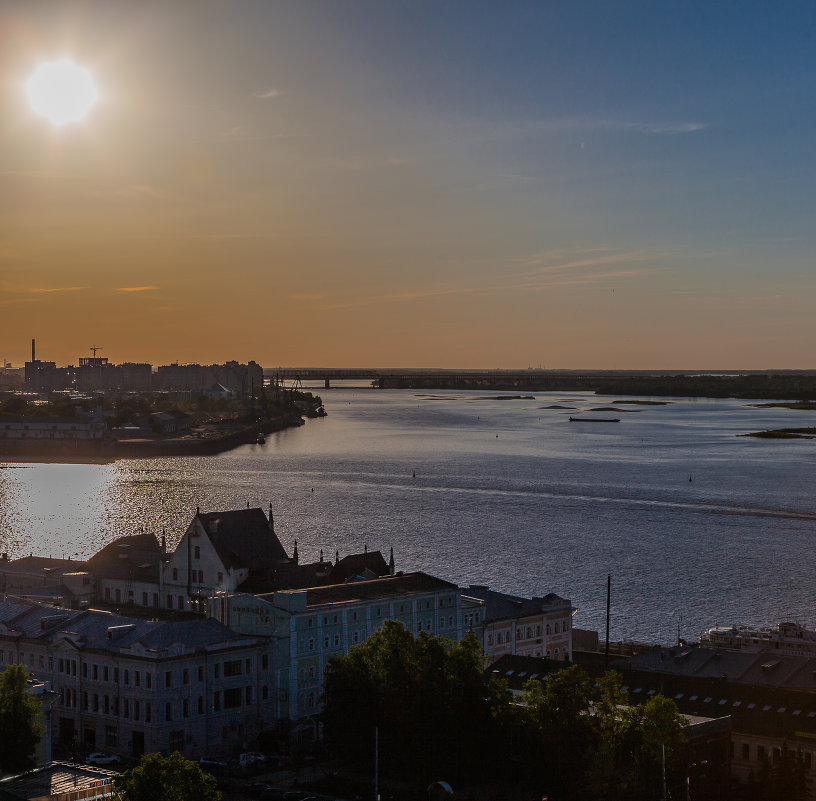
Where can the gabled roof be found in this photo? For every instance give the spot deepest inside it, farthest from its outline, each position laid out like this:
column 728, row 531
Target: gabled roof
column 243, row 538
column 135, row 556
column 501, row 606
column 40, row 564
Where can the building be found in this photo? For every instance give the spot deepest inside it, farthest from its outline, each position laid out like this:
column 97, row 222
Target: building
column 769, row 696
column 538, row 627
column 787, row 638
column 310, row 626
column 132, row 686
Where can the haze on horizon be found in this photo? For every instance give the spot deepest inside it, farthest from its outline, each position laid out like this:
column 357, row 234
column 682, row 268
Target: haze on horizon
column 412, row 183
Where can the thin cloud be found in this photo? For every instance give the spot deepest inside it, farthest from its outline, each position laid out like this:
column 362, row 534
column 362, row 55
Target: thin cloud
column 268, row 94
column 308, row 296
column 51, row 289
column 136, row 288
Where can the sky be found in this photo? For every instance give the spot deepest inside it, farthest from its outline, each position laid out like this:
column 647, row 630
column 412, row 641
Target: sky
column 413, row 183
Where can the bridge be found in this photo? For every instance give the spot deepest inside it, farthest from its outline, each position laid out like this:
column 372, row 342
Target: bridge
column 394, row 378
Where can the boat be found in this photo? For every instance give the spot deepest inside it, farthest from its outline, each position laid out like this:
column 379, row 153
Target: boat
column 594, row 419
column 261, row 439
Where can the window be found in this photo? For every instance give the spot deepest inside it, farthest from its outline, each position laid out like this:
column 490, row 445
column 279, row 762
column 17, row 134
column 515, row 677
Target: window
column 96, row 672
column 336, row 640
column 126, row 708
column 248, row 694
column 201, row 672
column 127, row 676
column 169, row 601
column 197, row 552
column 247, row 666
column 168, row 678
column 176, row 740
column 107, row 594
column 217, row 701
column 311, row 622
column 232, row 698
column 355, row 636
column 106, row 705
column 136, row 706
column 175, row 574
column 185, row 708
column 311, row 644
column 326, row 641
column 181, row 602
column 110, row 736
column 148, row 680
column 168, row 711
column 232, row 668
column 265, row 693
column 760, row 752
column 185, row 676
column 156, row 599
column 147, row 712
column 200, row 704
column 137, row 678
column 104, row 672
column 216, row 670
column 746, row 751
column 144, row 599
column 548, row 629
column 84, row 666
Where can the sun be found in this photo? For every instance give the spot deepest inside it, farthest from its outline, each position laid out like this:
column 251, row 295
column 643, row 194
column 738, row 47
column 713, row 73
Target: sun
column 61, row 91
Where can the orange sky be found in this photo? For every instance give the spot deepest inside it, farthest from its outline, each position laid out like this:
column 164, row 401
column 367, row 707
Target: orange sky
column 341, row 185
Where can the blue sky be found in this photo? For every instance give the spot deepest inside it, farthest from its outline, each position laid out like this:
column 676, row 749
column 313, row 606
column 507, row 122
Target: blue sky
column 448, row 184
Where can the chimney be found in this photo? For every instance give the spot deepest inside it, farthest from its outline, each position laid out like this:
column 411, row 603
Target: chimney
column 321, row 555
column 336, row 557
column 295, row 554
column 391, row 562
column 163, row 543
column 271, row 520
column 33, row 351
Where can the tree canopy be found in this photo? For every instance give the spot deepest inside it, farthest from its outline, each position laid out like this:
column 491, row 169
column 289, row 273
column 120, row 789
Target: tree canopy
column 172, row 778
column 20, row 729
column 429, row 698
column 441, row 716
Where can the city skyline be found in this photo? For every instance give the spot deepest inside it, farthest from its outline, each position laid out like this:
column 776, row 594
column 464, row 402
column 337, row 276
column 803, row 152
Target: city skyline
column 407, row 184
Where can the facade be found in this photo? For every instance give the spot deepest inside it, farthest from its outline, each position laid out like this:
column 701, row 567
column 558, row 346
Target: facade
column 537, row 627
column 52, row 428
column 787, row 638
column 241, row 379
column 770, row 698
column 310, row 626
column 133, row 686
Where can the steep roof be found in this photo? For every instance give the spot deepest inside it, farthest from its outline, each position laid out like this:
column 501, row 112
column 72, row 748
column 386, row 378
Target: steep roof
column 243, row 538
column 358, row 564
column 135, row 556
column 501, row 606
column 40, row 564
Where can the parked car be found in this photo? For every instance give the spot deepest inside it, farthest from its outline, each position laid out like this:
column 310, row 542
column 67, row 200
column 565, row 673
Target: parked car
column 99, row 758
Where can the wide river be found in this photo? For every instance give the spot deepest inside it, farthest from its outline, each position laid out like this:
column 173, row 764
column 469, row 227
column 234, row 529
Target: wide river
column 696, row 525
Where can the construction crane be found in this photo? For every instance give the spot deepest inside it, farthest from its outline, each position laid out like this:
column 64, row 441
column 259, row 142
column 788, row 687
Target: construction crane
column 94, row 349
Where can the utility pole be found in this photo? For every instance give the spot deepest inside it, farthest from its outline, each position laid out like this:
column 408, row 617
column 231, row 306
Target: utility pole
column 608, row 599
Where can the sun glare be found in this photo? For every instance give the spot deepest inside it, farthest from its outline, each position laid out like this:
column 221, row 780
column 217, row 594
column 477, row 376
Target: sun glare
column 61, row 92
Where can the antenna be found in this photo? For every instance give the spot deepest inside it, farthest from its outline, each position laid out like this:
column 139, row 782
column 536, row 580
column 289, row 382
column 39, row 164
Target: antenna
column 94, row 349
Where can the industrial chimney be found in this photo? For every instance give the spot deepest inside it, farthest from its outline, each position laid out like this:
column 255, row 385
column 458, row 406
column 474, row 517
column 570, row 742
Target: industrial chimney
column 33, row 351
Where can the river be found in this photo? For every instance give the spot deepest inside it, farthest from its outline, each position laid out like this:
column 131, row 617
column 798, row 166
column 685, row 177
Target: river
column 696, row 525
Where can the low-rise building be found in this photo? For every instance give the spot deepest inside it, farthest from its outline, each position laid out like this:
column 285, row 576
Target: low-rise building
column 310, row 626
column 132, row 686
column 538, row 627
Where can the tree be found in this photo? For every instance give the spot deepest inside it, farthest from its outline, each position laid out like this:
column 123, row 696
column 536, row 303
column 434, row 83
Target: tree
column 172, row 778
column 20, row 729
column 430, row 699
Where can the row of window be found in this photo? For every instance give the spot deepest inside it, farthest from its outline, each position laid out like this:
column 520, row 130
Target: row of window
column 762, row 754
column 380, row 610
column 528, row 633
column 136, row 709
column 138, row 678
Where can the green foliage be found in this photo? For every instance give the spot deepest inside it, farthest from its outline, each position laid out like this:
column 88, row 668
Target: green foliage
column 16, row 404
column 172, row 778
column 429, row 698
column 19, row 721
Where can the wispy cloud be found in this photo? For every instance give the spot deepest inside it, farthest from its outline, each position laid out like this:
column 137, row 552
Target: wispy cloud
column 268, row 94
column 149, row 288
column 597, row 257
column 52, row 289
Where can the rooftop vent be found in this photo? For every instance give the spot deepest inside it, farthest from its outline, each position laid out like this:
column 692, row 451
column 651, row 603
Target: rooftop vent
column 114, row 632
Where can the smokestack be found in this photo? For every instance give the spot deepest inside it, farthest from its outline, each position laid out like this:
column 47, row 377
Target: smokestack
column 33, row 351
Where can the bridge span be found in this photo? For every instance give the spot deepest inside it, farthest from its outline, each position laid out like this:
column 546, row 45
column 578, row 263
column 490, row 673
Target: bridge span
column 394, row 378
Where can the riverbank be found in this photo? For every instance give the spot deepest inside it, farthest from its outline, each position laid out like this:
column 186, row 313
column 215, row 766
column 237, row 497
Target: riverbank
column 195, row 443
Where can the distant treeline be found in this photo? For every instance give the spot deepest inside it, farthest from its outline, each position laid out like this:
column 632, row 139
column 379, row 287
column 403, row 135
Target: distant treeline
column 770, row 386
